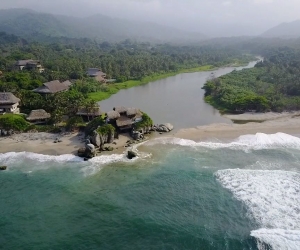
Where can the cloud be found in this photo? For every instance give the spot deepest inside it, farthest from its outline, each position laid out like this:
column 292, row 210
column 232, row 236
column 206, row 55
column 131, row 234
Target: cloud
column 226, row 3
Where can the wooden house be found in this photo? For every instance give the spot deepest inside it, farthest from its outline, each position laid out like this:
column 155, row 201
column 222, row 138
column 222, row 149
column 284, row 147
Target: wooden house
column 29, row 65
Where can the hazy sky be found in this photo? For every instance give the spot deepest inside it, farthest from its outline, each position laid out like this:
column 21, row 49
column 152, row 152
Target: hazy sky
column 207, row 16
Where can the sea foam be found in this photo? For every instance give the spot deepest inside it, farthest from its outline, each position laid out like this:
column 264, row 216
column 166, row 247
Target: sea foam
column 245, row 142
column 273, row 202
column 12, row 157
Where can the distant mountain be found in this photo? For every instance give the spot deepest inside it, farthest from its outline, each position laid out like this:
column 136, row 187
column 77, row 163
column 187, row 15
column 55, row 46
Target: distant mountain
column 284, row 30
column 29, row 24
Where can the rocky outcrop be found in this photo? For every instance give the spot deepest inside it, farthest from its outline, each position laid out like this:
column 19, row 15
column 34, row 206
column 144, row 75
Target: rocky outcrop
column 4, row 132
column 88, row 152
column 166, row 127
column 3, row 168
column 131, row 154
column 100, row 139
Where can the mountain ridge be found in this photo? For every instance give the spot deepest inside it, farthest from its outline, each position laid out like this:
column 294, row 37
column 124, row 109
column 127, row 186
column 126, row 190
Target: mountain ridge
column 26, row 23
column 284, row 30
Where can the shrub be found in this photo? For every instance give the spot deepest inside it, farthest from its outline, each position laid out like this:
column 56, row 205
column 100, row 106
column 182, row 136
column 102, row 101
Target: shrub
column 93, row 125
column 106, row 129
column 146, row 122
column 74, row 122
column 14, row 122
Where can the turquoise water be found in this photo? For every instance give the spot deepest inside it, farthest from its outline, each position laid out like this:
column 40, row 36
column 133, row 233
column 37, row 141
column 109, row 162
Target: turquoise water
column 177, row 195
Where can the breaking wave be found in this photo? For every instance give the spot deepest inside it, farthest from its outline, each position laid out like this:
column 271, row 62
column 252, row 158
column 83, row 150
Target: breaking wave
column 245, row 142
column 12, row 157
column 273, row 202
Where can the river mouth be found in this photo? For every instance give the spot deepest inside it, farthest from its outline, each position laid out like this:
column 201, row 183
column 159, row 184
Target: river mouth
column 178, row 99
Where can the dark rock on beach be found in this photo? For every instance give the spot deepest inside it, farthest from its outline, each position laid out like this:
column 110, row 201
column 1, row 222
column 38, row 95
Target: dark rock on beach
column 3, row 168
column 131, row 155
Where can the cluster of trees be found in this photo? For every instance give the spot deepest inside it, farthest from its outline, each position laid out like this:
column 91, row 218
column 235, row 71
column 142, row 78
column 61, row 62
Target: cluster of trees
column 273, row 84
column 67, row 58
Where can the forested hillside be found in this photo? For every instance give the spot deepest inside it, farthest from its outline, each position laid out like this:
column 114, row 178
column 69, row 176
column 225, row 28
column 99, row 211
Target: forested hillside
column 273, row 84
column 128, row 62
column 38, row 26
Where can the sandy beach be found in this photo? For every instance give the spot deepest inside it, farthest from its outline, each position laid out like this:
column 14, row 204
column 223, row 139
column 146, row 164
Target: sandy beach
column 43, row 143
column 288, row 123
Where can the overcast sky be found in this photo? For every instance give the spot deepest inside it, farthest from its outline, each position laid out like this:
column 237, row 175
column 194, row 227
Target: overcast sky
column 240, row 17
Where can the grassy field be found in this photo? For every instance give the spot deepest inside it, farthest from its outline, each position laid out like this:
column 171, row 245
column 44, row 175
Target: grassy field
column 115, row 87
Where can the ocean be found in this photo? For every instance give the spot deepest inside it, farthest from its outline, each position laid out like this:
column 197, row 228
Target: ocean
column 178, row 194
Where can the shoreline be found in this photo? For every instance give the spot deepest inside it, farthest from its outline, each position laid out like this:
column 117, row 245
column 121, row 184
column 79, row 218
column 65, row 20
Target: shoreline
column 43, row 143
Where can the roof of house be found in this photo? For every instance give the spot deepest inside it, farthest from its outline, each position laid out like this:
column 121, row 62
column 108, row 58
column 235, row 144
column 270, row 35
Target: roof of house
column 8, row 98
column 25, row 62
column 120, row 109
column 38, row 114
column 124, row 121
column 53, row 87
column 133, row 112
column 95, row 111
column 93, row 72
column 113, row 115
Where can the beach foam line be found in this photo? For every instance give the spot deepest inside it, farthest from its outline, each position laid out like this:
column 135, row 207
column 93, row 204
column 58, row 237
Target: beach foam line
column 277, row 239
column 272, row 198
column 245, row 142
column 11, row 157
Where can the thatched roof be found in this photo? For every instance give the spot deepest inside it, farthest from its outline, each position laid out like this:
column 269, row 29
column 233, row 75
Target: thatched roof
column 53, row 87
column 120, row 109
column 95, row 111
column 25, row 62
column 133, row 112
column 113, row 115
column 93, row 72
column 38, row 114
column 124, row 121
column 8, row 98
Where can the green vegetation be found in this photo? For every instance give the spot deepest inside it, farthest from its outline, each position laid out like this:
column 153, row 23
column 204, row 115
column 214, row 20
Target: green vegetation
column 271, row 85
column 146, row 122
column 74, row 122
column 106, row 129
column 93, row 125
column 14, row 122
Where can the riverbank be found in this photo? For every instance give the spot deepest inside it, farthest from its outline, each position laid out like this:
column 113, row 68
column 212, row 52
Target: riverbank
column 115, row 87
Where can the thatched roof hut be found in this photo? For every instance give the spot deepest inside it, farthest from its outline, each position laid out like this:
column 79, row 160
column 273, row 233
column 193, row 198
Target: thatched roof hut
column 124, row 121
column 133, row 112
column 121, row 110
column 53, row 87
column 95, row 111
column 38, row 115
column 7, row 98
column 113, row 115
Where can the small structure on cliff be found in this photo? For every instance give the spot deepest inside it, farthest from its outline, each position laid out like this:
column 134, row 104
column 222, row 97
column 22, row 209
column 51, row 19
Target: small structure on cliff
column 124, row 118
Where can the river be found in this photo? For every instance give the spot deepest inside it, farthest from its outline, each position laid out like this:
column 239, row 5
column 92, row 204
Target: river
column 177, row 99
